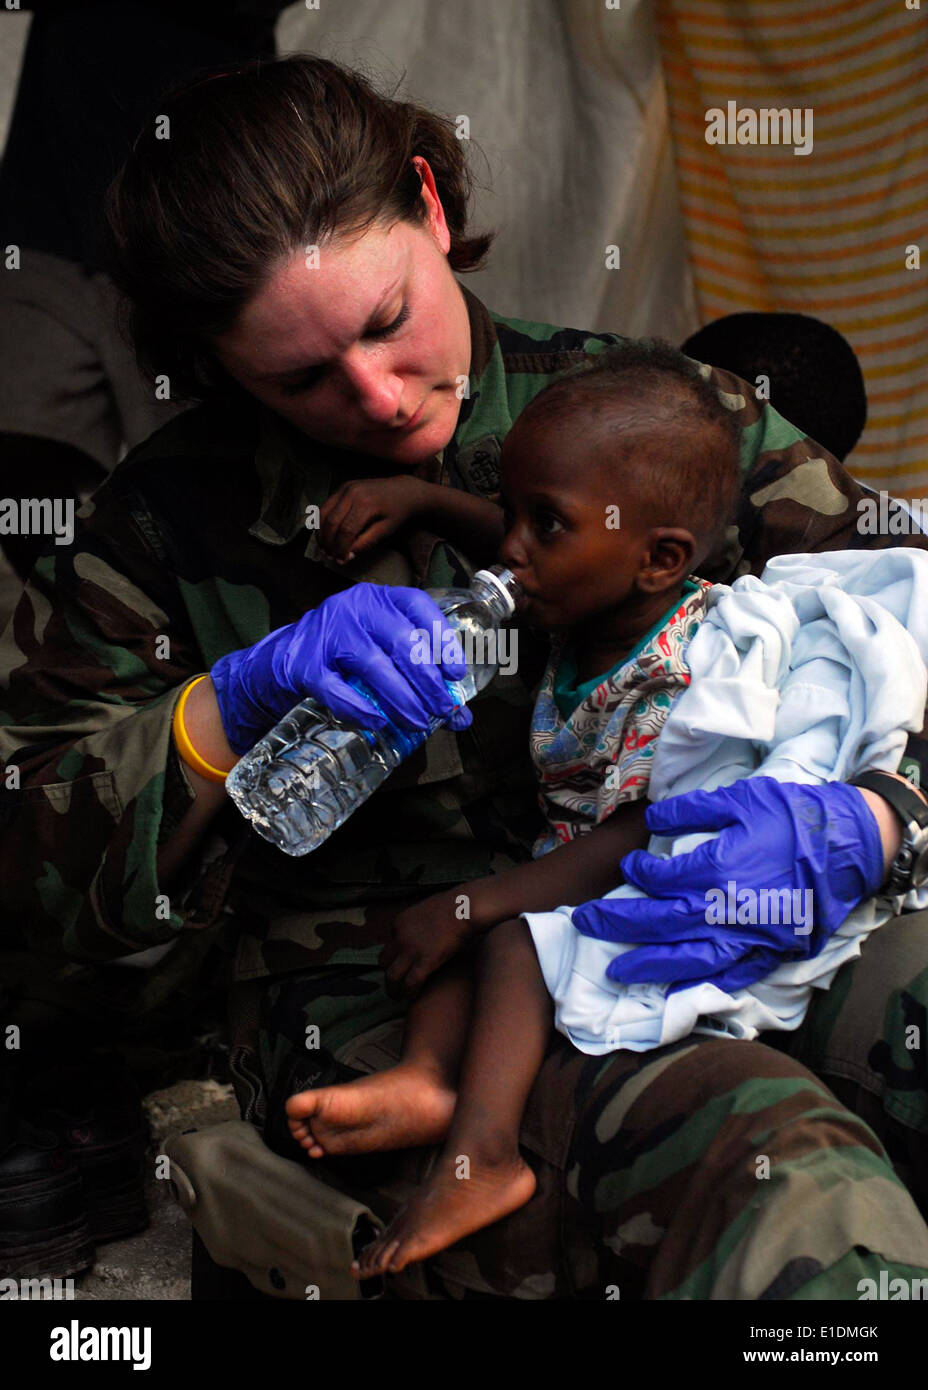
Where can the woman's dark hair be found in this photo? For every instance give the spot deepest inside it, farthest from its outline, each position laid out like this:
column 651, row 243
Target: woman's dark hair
column 249, row 165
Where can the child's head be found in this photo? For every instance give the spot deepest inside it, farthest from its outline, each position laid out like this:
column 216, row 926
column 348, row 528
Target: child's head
column 814, row 378
column 618, row 479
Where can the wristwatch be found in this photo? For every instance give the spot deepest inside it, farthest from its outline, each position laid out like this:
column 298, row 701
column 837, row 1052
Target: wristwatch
column 909, row 869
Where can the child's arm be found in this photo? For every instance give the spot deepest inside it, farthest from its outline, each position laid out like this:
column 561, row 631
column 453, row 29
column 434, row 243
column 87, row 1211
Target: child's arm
column 364, row 511
column 577, row 872
column 432, row 931
column 472, row 523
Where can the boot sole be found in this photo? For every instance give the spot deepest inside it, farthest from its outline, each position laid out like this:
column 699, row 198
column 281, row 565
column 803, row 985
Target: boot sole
column 52, row 1236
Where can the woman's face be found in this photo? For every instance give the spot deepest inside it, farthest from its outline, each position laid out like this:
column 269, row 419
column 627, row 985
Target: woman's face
column 374, row 337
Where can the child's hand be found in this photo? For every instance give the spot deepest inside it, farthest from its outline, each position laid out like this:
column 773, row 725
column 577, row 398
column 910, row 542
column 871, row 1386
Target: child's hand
column 425, row 936
column 362, row 512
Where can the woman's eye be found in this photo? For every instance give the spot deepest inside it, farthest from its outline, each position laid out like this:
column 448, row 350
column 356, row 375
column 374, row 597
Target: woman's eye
column 309, row 380
column 393, row 327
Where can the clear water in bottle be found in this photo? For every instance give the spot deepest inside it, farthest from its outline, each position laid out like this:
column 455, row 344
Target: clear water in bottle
column 313, row 770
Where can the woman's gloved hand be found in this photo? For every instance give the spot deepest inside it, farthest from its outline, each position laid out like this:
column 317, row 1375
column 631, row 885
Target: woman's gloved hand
column 363, row 632
column 773, row 835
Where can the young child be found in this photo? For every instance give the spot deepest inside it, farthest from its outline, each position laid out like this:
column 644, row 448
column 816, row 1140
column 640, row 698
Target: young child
column 617, row 481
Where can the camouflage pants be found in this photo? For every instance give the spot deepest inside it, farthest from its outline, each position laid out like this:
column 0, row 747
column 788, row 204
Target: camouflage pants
column 706, row 1169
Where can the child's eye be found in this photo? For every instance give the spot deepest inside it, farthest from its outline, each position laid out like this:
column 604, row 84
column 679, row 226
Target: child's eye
column 548, row 524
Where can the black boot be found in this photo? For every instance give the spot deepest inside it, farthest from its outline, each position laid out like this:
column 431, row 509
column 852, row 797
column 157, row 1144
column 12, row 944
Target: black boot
column 44, row 1227
column 95, row 1110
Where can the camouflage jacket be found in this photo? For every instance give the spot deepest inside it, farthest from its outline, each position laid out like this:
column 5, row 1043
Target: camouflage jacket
column 197, row 545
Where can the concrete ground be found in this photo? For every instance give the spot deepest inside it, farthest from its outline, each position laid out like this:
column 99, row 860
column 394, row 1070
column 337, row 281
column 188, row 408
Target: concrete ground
column 155, row 1263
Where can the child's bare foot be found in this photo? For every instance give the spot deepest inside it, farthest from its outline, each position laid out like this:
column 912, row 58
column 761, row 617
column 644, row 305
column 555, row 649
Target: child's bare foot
column 447, row 1209
column 401, row 1108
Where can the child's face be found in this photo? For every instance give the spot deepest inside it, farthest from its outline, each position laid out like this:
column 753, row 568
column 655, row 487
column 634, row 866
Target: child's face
column 575, row 543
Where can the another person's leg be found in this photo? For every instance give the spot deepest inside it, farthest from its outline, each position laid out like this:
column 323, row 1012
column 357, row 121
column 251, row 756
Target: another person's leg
column 479, row 1174
column 141, row 406
column 55, row 385
column 73, row 397
column 58, row 437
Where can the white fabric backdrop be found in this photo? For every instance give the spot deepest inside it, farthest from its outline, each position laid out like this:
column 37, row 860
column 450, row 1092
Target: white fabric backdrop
column 566, row 101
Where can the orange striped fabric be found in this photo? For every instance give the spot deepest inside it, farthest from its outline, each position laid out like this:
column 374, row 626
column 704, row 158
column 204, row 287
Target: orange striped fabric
column 839, row 232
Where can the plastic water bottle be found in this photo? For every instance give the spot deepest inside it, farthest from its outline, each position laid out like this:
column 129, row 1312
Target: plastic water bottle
column 313, row 770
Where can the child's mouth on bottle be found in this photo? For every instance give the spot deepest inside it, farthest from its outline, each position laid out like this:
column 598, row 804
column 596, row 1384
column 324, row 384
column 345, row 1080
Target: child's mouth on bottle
column 532, row 606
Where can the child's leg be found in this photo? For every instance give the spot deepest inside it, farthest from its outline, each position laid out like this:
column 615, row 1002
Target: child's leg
column 480, row 1175
column 407, row 1105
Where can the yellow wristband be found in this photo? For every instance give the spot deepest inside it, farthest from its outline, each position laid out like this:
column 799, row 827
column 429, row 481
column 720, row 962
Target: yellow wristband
column 185, row 748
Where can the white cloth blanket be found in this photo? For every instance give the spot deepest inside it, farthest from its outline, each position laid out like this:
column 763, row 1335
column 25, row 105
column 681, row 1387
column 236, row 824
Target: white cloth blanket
column 812, row 673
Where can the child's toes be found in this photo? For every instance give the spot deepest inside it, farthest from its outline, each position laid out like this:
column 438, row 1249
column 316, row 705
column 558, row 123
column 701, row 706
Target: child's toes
column 299, row 1104
column 304, row 1137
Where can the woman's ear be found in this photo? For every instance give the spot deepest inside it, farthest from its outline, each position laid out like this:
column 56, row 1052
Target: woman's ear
column 667, row 560
column 436, row 213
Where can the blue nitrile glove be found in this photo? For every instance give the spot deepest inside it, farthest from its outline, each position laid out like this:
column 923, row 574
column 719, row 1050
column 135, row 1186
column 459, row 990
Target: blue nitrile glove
column 773, row 835
column 727, row 963
column 362, row 632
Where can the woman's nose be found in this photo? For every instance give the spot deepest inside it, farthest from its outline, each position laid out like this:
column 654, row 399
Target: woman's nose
column 376, row 389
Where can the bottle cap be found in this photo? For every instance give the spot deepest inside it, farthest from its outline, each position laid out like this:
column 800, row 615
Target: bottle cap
column 505, row 584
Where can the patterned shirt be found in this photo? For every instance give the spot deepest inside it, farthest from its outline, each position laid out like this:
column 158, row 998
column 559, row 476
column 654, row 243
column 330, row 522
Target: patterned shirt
column 599, row 755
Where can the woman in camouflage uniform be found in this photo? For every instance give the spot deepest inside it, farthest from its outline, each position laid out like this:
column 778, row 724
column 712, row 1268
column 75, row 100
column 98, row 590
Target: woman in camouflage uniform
column 290, row 253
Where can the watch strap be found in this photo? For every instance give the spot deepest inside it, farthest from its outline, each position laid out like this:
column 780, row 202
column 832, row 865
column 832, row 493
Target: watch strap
column 900, row 795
